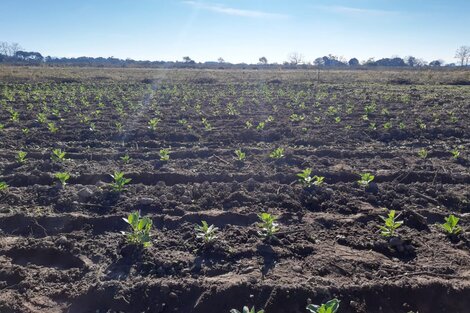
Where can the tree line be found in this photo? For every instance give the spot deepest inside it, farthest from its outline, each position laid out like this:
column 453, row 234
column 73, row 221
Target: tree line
column 14, row 54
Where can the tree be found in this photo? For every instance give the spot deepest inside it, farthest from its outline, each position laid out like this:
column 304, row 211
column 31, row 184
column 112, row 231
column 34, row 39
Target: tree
column 263, row 60
column 295, row 58
column 436, row 63
column 353, row 62
column 463, row 55
column 221, row 60
column 187, row 59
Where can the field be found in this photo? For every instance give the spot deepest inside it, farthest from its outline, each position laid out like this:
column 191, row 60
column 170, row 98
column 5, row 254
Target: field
column 61, row 247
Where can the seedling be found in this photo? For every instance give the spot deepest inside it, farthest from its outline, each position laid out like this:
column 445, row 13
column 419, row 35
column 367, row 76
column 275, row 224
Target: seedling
column 119, row 181
column 153, row 123
column 126, row 158
column 25, row 131
column 304, row 177
column 141, row 227
column 260, row 125
column 318, row 180
column 205, row 232
column 423, row 153
column 450, row 226
column 63, row 177
column 52, row 128
column 58, row 155
column 3, row 185
column 455, row 154
column 246, row 310
column 164, row 154
column 21, row 157
column 277, row 154
column 240, row 155
column 268, row 226
column 391, row 224
column 366, row 179
column 328, row 307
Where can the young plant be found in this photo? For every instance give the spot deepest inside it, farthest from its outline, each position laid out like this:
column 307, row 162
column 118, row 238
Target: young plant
column 268, row 226
column 141, row 227
column 450, row 226
column 153, row 123
column 246, row 310
column 3, row 185
column 205, row 232
column 21, row 157
column 58, row 155
column 240, row 155
column 52, row 128
column 423, row 153
column 126, row 158
column 366, row 179
column 455, row 153
column 304, row 177
column 391, row 224
column 328, row 307
column 119, row 181
column 63, row 177
column 318, row 180
column 277, row 154
column 164, row 154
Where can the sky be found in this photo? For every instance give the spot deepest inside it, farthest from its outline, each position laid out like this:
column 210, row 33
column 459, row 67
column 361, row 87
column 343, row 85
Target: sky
column 238, row 30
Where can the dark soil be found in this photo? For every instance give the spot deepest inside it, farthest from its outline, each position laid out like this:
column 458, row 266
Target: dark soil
column 61, row 249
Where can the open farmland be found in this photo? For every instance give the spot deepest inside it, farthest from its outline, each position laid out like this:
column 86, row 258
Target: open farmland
column 61, row 247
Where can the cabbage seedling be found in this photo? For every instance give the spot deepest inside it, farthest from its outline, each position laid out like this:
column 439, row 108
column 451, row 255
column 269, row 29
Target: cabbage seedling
column 21, row 157
column 240, row 155
column 268, row 226
column 391, row 224
column 246, row 310
column 63, row 177
column 52, row 128
column 366, row 179
column 328, row 307
column 126, row 158
column 3, row 185
column 450, row 226
column 141, row 227
column 58, row 155
column 153, row 123
column 205, row 232
column 277, row 154
column 423, row 153
column 119, row 181
column 455, row 154
column 164, row 154
column 304, row 177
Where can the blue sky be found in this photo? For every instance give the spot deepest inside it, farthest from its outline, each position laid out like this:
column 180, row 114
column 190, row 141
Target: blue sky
column 238, row 30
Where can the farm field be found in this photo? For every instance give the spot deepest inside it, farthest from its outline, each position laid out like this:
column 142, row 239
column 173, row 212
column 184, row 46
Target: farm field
column 175, row 134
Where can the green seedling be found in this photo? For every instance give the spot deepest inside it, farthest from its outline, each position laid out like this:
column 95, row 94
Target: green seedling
column 25, row 131
column 119, row 181
column 304, row 177
column 366, row 179
column 164, row 154
column 450, row 226
column 3, row 185
column 455, row 154
column 21, row 157
column 260, row 126
column 391, row 224
column 328, row 307
column 58, row 155
column 268, row 226
column 153, row 123
column 141, row 227
column 240, row 155
column 205, row 232
column 52, row 128
column 277, row 154
column 423, row 153
column 126, row 158
column 63, row 177
column 246, row 310
column 318, row 180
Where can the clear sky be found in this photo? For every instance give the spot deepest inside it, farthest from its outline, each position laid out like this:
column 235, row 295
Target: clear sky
column 238, row 30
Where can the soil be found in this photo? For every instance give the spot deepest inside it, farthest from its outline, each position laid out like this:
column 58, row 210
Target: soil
column 61, row 248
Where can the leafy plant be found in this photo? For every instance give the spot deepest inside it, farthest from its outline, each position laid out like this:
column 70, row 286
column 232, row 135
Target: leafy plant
column 52, row 128
column 153, row 123
column 318, row 180
column 21, row 157
column 205, row 232
column 126, row 158
column 119, row 181
column 423, row 153
column 268, row 226
column 141, row 227
column 391, row 224
column 164, row 154
column 366, row 179
column 3, row 185
column 304, row 177
column 63, row 177
column 58, row 155
column 277, row 154
column 450, row 226
column 455, row 153
column 240, row 155
column 260, row 125
column 328, row 307
column 246, row 310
